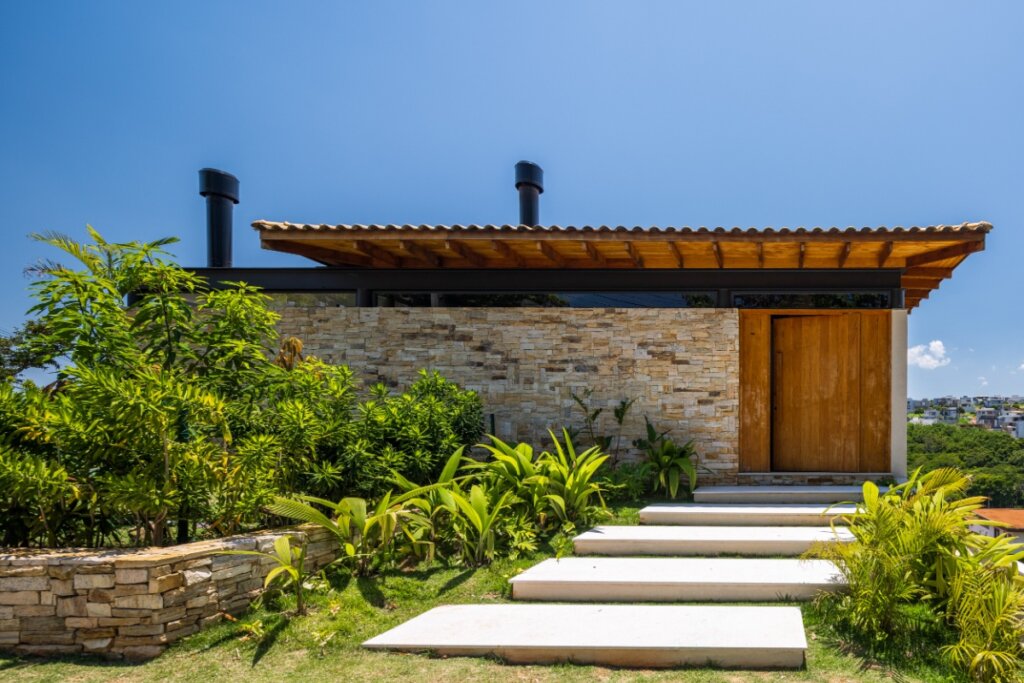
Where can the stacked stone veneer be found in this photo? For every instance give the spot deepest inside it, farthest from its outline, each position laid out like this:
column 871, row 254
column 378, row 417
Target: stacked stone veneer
column 133, row 603
column 682, row 365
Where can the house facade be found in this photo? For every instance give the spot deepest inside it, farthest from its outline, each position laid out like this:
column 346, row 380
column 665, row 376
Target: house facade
column 780, row 352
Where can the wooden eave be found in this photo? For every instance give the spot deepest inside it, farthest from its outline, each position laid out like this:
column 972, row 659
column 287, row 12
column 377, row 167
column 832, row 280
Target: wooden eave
column 926, row 255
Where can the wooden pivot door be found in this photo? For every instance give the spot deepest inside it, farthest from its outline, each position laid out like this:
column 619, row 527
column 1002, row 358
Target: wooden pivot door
column 815, row 391
column 816, row 394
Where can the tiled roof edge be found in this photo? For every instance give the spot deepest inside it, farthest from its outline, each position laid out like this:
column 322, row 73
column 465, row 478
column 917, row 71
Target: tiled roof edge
column 278, row 226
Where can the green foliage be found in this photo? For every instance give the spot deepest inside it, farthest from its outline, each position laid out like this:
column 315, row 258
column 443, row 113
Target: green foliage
column 916, row 567
column 669, row 462
column 994, row 459
column 627, row 482
column 608, row 444
column 290, row 572
column 173, row 409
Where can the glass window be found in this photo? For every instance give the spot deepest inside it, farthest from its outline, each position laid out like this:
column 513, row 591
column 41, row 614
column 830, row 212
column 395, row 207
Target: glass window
column 810, row 299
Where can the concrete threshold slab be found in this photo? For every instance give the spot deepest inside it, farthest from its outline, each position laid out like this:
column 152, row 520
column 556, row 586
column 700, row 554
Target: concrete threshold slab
column 777, row 494
column 704, row 540
column 608, row 635
column 624, row 579
column 697, row 514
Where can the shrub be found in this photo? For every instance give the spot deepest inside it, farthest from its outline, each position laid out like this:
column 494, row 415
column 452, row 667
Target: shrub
column 669, row 462
column 173, row 411
column 916, row 567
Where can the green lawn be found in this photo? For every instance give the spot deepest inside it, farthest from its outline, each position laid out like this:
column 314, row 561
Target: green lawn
column 325, row 645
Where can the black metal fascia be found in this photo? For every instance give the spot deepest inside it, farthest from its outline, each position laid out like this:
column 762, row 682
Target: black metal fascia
column 551, row 280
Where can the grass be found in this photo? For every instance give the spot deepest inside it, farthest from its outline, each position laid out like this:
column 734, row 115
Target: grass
column 266, row 645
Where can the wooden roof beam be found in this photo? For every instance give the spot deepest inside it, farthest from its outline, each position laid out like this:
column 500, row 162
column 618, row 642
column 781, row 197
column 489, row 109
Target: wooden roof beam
column 845, row 253
column 376, row 253
column 885, row 253
column 634, row 255
column 803, row 254
column 465, row 253
column 677, row 254
column 942, row 273
column 912, row 282
column 918, row 294
column 595, row 255
column 952, row 251
column 420, row 252
column 718, row 254
column 322, row 255
column 550, row 254
column 507, row 253
column 760, row 254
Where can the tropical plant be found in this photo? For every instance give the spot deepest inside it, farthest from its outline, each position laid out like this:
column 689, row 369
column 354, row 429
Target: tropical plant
column 290, row 571
column 570, row 482
column 477, row 524
column 608, row 444
column 669, row 461
column 917, row 564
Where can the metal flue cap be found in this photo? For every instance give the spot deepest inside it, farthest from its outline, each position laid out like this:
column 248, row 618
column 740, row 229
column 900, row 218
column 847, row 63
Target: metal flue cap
column 212, row 181
column 529, row 173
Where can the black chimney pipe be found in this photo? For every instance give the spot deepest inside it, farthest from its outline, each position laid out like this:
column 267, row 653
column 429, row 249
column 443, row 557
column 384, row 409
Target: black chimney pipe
column 221, row 192
column 530, row 183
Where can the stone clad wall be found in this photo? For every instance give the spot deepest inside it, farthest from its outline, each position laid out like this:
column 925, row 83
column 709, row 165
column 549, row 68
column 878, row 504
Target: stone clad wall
column 682, row 365
column 133, row 603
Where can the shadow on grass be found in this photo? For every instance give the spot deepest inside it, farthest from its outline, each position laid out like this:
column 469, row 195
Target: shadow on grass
column 268, row 640
column 456, row 581
column 368, row 588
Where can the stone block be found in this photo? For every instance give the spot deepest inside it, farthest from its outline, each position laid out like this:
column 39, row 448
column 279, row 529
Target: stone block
column 6, row 612
column 141, row 630
column 24, row 583
column 89, row 633
column 119, row 621
column 169, row 614
column 10, row 624
column 58, row 571
column 62, row 587
column 8, row 638
column 35, row 610
column 42, row 624
column 97, row 609
column 48, row 650
column 165, row 583
column 198, row 575
column 20, row 598
column 87, row 581
column 47, row 598
column 48, row 638
column 134, row 641
column 82, row 622
column 131, row 575
column 72, row 607
column 103, row 568
column 23, row 570
column 182, row 632
column 96, row 644
column 141, row 652
column 145, row 601
column 159, row 570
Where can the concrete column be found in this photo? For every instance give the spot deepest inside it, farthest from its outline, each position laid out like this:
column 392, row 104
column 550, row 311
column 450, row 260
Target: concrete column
column 898, row 430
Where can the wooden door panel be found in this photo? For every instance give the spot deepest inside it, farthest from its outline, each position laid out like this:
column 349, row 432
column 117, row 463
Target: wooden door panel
column 816, row 402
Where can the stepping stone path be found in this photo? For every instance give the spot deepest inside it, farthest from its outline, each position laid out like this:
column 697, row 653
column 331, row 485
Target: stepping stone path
column 598, row 609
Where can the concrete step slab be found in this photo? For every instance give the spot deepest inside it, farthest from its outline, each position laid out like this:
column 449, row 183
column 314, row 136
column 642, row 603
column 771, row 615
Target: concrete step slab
column 608, row 635
column 746, row 541
column 697, row 514
column 649, row 579
column 777, row 494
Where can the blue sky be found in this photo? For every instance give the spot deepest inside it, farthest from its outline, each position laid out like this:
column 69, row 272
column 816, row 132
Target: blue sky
column 641, row 113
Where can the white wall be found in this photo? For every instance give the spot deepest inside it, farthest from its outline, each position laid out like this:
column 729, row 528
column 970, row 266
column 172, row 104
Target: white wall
column 899, row 394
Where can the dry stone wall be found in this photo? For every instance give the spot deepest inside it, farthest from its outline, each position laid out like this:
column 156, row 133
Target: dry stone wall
column 682, row 365
column 133, row 603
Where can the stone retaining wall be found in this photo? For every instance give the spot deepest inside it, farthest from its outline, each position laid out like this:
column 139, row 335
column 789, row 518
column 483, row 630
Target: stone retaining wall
column 133, row 603
column 681, row 365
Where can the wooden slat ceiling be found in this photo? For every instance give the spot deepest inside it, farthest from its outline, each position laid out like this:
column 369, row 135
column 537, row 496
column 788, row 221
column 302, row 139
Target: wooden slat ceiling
column 927, row 255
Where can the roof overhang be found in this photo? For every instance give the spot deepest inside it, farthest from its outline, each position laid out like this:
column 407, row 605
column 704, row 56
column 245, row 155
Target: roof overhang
column 925, row 255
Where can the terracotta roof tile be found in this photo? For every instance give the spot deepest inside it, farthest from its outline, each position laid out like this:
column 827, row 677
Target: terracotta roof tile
column 278, row 226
